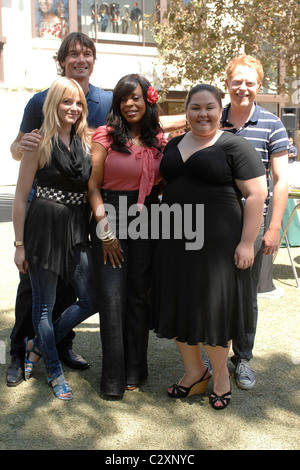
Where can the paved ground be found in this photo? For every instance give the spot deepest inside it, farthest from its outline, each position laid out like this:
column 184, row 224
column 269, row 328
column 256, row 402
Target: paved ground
column 265, row 418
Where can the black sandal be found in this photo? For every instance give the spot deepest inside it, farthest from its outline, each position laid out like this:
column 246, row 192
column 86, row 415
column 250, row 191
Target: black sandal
column 223, row 400
column 197, row 388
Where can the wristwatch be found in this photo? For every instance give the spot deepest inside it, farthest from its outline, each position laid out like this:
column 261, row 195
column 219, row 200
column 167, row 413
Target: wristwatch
column 18, row 244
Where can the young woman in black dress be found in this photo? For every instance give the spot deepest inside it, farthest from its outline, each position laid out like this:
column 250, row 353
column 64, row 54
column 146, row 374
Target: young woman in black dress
column 52, row 238
column 203, row 295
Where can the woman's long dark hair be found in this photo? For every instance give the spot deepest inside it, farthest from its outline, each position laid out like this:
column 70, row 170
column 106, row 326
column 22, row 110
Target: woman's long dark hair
column 120, row 132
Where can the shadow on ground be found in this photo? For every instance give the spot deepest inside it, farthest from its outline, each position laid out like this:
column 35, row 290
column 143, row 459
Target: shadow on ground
column 147, row 418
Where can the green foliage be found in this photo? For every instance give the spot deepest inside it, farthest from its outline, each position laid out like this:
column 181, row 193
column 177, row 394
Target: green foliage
column 196, row 40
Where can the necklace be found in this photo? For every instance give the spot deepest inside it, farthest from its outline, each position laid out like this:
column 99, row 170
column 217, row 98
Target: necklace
column 135, row 140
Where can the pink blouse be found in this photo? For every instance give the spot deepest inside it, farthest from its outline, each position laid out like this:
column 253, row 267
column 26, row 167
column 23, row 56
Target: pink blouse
column 138, row 170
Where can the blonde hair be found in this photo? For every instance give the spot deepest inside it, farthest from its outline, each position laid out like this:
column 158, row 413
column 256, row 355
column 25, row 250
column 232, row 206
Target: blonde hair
column 51, row 126
column 247, row 60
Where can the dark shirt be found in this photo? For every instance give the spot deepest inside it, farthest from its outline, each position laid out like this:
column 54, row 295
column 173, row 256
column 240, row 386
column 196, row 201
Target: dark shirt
column 265, row 132
column 98, row 102
column 293, row 150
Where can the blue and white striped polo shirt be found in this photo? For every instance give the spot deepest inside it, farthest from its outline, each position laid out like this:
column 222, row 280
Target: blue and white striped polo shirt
column 265, row 132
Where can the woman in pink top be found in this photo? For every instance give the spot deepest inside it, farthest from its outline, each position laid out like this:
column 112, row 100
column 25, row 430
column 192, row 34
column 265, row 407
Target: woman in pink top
column 126, row 155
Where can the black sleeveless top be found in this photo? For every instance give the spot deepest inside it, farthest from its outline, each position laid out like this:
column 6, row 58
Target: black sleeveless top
column 52, row 228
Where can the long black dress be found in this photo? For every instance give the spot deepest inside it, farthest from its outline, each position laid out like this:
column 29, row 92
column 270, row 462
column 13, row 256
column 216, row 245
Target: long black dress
column 199, row 295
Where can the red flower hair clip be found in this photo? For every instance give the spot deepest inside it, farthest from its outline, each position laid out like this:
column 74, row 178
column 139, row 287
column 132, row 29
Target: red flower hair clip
column 152, row 95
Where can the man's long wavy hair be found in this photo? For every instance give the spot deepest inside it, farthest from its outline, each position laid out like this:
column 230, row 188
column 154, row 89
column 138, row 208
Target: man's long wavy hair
column 62, row 88
column 120, row 131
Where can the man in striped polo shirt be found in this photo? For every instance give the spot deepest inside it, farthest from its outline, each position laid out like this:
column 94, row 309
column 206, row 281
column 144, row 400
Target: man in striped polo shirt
column 265, row 131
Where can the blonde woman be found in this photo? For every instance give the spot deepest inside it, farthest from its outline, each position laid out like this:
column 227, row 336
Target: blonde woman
column 52, row 239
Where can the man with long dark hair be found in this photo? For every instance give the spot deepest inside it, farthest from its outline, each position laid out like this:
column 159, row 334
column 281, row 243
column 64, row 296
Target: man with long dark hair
column 76, row 58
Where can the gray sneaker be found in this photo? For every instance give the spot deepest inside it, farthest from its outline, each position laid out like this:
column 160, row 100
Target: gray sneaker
column 245, row 377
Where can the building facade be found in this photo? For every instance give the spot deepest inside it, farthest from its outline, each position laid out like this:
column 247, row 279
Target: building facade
column 31, row 32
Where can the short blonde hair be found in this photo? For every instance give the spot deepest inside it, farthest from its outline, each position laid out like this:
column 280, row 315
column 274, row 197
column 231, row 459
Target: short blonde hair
column 247, row 60
column 50, row 129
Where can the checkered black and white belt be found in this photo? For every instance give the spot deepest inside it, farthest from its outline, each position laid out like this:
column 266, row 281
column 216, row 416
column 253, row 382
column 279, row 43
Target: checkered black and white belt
column 63, row 197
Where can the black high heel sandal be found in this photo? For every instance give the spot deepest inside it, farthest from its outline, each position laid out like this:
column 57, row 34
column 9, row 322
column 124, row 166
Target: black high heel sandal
column 197, row 388
column 222, row 399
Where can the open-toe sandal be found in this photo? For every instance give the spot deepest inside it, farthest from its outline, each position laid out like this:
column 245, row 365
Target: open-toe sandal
column 29, row 365
column 220, row 402
column 197, row 388
column 62, row 388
